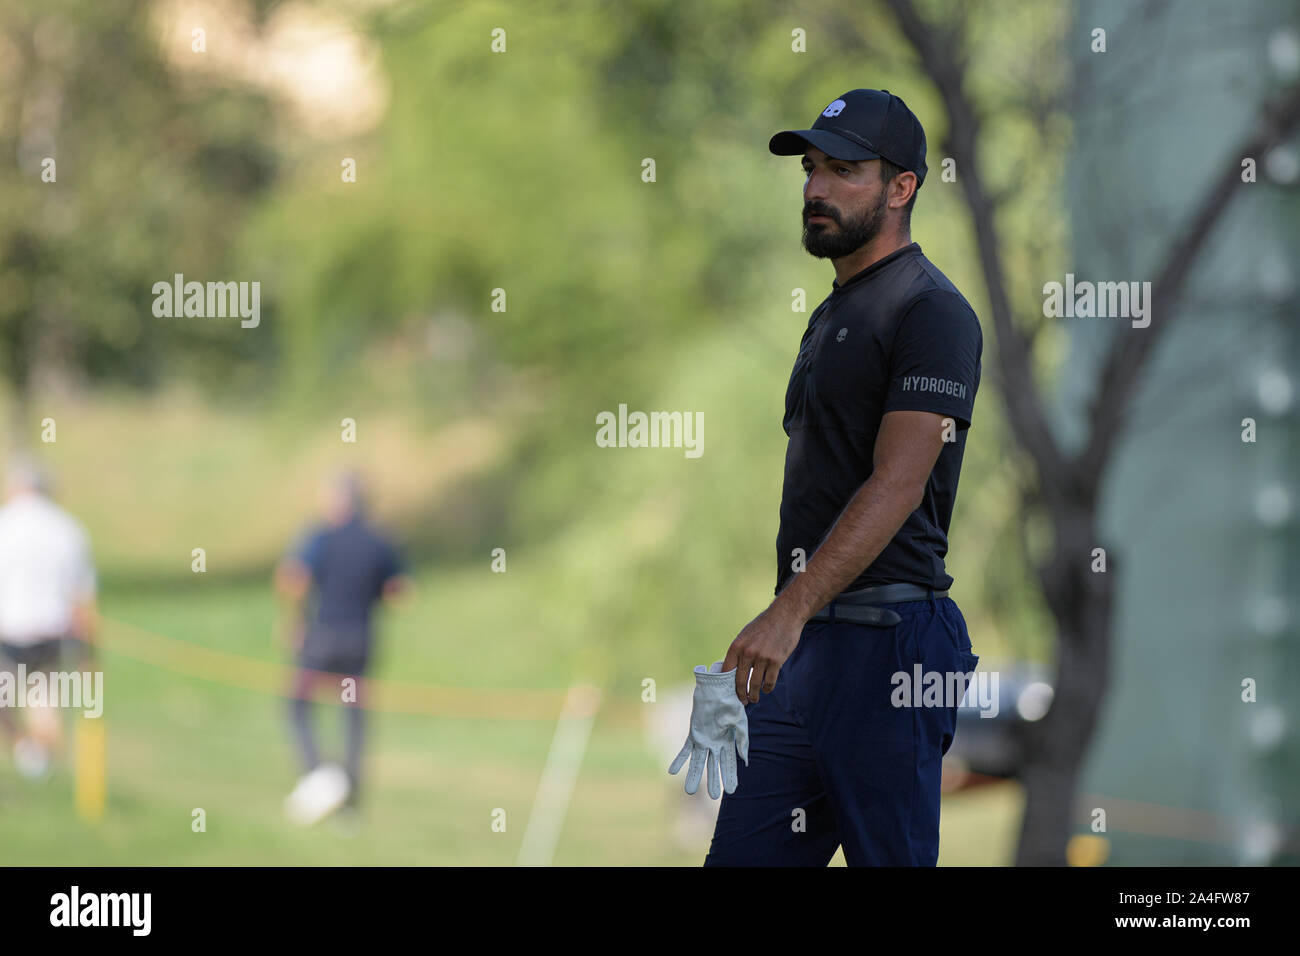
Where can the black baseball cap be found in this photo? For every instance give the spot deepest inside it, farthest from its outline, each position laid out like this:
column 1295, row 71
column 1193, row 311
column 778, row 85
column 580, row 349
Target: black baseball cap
column 862, row 124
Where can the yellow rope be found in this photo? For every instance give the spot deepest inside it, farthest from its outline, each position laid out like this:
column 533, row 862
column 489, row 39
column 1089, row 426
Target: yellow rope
column 269, row 677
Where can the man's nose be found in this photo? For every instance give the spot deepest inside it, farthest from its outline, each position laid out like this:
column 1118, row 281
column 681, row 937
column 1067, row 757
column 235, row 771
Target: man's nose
column 814, row 189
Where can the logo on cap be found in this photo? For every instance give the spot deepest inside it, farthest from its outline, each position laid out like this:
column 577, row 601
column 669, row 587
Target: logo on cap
column 836, row 107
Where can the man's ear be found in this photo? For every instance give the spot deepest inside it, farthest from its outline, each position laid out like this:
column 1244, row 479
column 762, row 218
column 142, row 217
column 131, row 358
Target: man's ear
column 902, row 188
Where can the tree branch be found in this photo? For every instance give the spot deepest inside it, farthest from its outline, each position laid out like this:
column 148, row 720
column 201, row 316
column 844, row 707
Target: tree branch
column 1130, row 353
column 1024, row 407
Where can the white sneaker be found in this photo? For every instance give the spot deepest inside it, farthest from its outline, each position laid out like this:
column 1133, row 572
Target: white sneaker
column 31, row 759
column 317, row 795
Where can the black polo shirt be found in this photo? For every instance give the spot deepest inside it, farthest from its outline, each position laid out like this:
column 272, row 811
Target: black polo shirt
column 896, row 336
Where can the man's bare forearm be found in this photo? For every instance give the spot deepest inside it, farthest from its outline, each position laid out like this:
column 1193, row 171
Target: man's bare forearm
column 866, row 525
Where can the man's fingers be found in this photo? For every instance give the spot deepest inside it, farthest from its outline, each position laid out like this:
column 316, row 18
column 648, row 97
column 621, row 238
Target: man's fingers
column 742, row 678
column 769, row 677
column 736, row 658
column 756, row 680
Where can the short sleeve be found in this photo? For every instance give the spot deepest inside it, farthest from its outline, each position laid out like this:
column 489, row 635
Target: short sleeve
column 934, row 364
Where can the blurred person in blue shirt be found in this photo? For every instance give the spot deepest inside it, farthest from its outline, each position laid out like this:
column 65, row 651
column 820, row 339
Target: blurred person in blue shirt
column 332, row 579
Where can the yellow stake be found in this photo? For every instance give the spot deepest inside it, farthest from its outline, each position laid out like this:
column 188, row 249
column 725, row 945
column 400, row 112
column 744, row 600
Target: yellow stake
column 90, row 784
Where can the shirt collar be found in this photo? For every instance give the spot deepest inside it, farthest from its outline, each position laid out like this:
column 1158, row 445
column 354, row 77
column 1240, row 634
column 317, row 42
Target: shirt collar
column 871, row 269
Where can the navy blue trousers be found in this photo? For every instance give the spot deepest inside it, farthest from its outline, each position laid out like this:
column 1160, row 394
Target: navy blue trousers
column 835, row 758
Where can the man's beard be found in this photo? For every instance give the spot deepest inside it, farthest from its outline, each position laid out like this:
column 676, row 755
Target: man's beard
column 827, row 241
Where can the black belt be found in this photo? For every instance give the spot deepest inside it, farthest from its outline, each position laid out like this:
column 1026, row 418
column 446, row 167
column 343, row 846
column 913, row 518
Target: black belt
column 859, row 607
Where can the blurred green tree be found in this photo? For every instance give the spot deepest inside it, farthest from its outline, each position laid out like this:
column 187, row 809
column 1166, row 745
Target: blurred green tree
column 119, row 174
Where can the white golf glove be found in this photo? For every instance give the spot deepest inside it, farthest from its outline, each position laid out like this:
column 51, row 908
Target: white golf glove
column 719, row 728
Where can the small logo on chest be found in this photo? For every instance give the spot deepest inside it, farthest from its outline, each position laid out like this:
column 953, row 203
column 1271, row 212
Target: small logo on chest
column 841, row 334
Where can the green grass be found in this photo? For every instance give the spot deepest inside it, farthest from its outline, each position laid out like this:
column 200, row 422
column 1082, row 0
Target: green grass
column 623, row 565
column 179, row 742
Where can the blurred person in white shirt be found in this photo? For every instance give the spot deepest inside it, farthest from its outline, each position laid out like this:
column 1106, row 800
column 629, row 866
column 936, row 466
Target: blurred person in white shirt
column 47, row 598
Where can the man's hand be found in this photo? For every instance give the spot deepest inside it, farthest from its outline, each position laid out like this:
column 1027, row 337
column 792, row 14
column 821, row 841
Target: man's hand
column 397, row 588
column 764, row 645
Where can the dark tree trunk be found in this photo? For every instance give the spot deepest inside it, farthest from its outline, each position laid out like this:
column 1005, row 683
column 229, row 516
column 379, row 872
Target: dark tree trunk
column 1081, row 601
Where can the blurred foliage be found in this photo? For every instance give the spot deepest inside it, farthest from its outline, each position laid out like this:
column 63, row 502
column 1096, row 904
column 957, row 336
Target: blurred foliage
column 153, row 176
column 519, row 171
